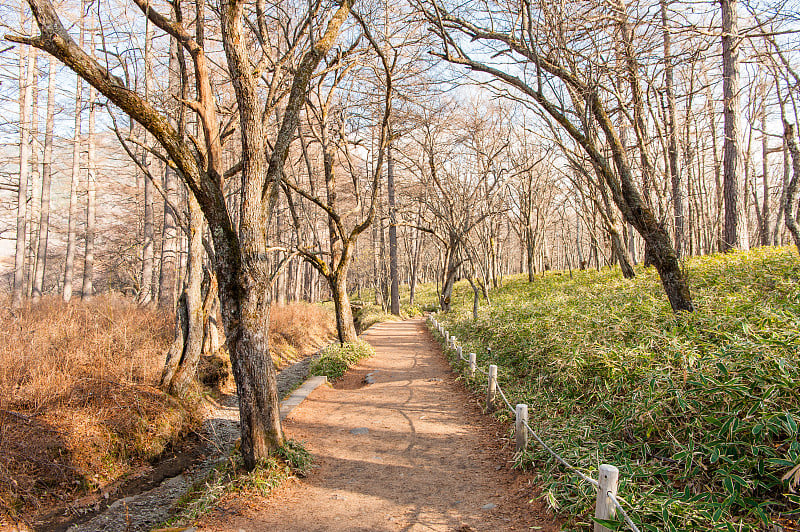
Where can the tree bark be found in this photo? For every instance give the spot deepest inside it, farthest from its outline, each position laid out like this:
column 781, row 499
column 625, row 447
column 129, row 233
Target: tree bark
column 47, row 174
column 26, row 68
column 672, row 140
column 87, row 290
column 734, row 235
column 393, row 273
column 344, row 313
column 180, row 368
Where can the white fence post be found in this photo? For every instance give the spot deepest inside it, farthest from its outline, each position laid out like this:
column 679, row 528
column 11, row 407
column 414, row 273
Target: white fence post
column 492, row 390
column 453, row 342
column 608, row 478
column 520, row 430
column 472, row 363
column 459, row 352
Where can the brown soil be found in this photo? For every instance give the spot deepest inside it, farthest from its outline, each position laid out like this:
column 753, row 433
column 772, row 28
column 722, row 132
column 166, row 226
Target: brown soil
column 429, row 461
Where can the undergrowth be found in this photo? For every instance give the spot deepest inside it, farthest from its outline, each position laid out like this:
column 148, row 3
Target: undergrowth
column 336, row 359
column 699, row 411
column 78, row 404
column 230, row 478
column 298, row 329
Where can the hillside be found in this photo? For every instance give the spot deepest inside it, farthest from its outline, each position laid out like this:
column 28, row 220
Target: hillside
column 699, row 411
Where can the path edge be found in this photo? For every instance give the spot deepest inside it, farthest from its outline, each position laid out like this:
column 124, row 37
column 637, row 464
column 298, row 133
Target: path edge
column 300, row 394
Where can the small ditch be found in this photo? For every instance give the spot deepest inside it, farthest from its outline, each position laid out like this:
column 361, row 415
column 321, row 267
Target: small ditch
column 145, row 501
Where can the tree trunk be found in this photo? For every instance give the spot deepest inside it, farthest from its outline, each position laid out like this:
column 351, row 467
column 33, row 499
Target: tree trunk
column 148, row 236
column 345, row 327
column 180, row 368
column 620, row 253
column 393, row 273
column 167, row 276
column 35, row 175
column 26, row 67
column 69, row 259
column 672, row 142
column 211, row 333
column 791, row 189
column 734, row 235
column 451, row 268
column 764, row 229
column 47, row 174
column 87, row 290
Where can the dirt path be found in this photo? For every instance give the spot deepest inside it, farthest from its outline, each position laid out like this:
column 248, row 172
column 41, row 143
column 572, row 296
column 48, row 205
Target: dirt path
column 409, row 452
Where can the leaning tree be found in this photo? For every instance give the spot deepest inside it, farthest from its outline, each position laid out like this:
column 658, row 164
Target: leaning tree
column 271, row 52
column 556, row 57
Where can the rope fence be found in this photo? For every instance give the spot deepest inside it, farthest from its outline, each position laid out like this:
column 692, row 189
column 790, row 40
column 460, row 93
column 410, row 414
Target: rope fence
column 607, row 505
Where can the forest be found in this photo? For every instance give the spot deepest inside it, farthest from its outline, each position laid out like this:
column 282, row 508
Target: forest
column 204, row 168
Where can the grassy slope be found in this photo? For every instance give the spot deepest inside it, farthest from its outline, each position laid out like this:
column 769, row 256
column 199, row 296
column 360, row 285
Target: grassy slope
column 700, row 412
column 80, row 409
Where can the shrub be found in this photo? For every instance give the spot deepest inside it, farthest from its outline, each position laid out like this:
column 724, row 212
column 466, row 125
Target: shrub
column 336, row 359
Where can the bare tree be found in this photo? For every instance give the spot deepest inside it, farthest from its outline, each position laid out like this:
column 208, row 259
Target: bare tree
column 240, row 258
column 735, row 234
column 333, row 140
column 47, row 175
column 26, row 78
column 538, row 38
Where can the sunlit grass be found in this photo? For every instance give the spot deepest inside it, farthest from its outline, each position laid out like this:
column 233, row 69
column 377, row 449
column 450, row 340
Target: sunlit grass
column 699, row 411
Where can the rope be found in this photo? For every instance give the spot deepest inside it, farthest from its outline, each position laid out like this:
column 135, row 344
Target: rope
column 566, row 464
column 500, row 391
column 622, row 511
column 555, row 455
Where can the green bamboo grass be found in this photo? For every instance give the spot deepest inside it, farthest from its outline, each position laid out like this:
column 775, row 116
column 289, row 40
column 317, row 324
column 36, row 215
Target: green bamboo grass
column 699, row 411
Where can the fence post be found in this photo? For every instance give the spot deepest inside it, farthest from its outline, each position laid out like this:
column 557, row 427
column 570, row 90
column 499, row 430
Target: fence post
column 472, row 364
column 459, row 352
column 608, row 478
column 446, row 335
column 492, row 390
column 520, row 430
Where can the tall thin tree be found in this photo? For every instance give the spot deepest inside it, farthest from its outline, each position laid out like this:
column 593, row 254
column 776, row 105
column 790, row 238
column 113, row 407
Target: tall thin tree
column 47, row 173
column 26, row 67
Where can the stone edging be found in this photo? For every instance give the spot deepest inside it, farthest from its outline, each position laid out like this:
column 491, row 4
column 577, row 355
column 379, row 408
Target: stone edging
column 299, row 395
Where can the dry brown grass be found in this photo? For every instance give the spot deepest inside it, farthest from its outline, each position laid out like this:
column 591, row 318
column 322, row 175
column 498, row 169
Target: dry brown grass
column 298, row 329
column 79, row 406
column 78, row 402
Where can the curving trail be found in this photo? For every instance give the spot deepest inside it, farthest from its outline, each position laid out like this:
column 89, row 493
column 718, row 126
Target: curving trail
column 409, row 452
